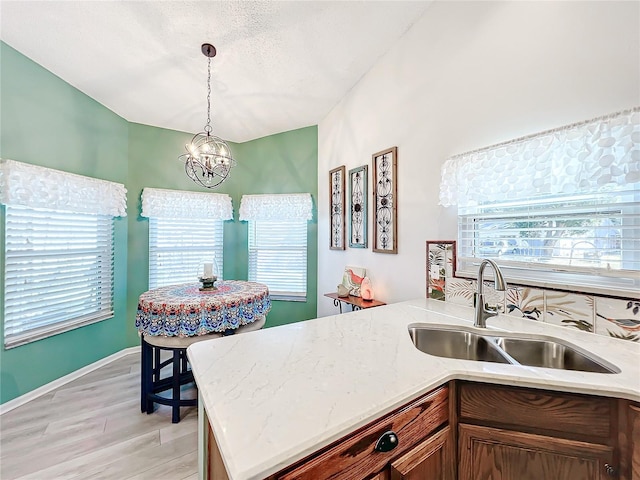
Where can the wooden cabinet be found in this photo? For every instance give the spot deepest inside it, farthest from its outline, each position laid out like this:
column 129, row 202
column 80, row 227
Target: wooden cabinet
column 215, row 465
column 508, row 433
column 634, row 441
column 474, row 431
column 408, row 433
column 430, row 459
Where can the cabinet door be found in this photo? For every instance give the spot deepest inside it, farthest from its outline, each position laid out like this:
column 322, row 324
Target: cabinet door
column 430, row 459
column 494, row 454
column 634, row 420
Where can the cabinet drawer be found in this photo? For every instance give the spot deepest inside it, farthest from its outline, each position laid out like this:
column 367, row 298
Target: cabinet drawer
column 355, row 456
column 526, row 408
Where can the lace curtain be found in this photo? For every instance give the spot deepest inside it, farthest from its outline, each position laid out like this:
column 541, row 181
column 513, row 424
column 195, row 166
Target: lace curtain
column 161, row 203
column 23, row 184
column 280, row 207
column 598, row 154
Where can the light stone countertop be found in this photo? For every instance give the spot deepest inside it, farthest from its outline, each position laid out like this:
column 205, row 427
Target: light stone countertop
column 276, row 395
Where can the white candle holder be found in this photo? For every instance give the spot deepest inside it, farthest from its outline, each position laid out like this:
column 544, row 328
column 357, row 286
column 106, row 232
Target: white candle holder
column 208, row 274
column 208, row 283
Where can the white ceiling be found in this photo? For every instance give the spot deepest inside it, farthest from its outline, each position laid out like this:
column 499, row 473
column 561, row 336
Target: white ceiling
column 280, row 65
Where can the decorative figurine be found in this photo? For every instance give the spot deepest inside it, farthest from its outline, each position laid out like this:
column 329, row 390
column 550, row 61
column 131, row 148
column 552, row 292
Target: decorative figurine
column 366, row 291
column 343, row 291
column 352, row 278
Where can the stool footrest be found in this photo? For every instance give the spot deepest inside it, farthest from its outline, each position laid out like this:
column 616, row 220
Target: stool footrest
column 157, row 369
column 167, row 383
column 190, row 402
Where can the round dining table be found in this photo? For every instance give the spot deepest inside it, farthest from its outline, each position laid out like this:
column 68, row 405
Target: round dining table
column 186, row 310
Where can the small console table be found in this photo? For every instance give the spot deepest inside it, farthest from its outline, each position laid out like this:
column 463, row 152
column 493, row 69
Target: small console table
column 356, row 303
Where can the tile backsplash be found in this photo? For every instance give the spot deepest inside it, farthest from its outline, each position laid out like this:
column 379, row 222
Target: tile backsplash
column 619, row 318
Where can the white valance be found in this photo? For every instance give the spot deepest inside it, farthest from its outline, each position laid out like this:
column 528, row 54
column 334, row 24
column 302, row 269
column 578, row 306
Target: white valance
column 160, row 203
column 603, row 153
column 33, row 186
column 276, row 207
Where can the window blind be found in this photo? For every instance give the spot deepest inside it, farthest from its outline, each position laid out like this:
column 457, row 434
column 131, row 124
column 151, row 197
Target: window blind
column 58, row 272
column 591, row 239
column 178, row 249
column 278, row 257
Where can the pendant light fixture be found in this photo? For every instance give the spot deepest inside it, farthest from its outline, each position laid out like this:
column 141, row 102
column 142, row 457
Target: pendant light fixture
column 208, row 160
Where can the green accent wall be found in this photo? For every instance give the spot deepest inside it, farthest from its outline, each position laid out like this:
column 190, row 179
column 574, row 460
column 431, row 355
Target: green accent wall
column 45, row 121
column 282, row 163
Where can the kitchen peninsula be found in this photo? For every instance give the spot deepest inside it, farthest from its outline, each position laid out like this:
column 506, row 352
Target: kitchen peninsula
column 275, row 397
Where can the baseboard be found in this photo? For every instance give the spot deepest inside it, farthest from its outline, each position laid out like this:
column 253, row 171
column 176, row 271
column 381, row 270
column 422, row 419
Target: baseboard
column 44, row 389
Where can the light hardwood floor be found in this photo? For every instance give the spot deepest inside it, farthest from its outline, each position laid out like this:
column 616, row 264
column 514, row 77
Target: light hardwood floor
column 92, row 428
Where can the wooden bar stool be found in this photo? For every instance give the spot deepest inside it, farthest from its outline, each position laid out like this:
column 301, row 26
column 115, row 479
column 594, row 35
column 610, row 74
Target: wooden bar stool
column 152, row 382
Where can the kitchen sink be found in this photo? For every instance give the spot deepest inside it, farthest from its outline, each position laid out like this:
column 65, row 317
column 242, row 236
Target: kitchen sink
column 530, row 350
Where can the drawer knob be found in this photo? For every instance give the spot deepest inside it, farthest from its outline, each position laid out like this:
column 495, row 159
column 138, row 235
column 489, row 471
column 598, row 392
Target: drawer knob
column 387, row 442
column 611, row 471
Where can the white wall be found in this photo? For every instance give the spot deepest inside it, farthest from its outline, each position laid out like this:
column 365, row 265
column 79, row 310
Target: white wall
column 465, row 76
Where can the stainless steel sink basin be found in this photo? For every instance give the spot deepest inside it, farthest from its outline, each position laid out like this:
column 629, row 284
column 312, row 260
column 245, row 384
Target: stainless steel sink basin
column 551, row 354
column 455, row 344
column 530, row 350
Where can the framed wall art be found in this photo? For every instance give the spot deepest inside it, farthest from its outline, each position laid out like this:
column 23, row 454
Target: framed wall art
column 385, row 213
column 441, row 265
column 358, row 209
column 336, row 207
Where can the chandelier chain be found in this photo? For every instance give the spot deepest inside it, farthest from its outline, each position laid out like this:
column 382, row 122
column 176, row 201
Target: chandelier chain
column 207, row 127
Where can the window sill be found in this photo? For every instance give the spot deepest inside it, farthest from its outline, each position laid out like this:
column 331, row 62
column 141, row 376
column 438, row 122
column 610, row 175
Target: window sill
column 40, row 334
column 287, row 298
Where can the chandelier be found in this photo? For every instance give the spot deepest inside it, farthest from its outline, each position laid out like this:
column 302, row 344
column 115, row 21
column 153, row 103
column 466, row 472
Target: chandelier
column 208, row 160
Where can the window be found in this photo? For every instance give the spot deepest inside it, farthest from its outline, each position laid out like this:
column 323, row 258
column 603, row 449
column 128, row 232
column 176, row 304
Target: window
column 594, row 237
column 58, row 250
column 278, row 257
column 278, row 242
column 185, row 231
column 58, row 272
column 178, row 248
column 559, row 209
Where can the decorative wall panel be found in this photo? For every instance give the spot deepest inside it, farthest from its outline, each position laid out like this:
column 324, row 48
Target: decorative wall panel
column 358, row 211
column 336, row 207
column 385, row 190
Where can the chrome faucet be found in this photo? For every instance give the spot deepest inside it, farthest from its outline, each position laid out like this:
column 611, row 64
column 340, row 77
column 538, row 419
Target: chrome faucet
column 483, row 311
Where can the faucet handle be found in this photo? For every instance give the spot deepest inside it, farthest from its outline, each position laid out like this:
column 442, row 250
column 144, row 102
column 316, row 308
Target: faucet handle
column 486, row 306
column 495, row 309
column 499, row 308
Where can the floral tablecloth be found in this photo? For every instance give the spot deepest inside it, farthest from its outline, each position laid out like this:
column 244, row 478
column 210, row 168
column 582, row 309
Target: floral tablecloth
column 185, row 311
